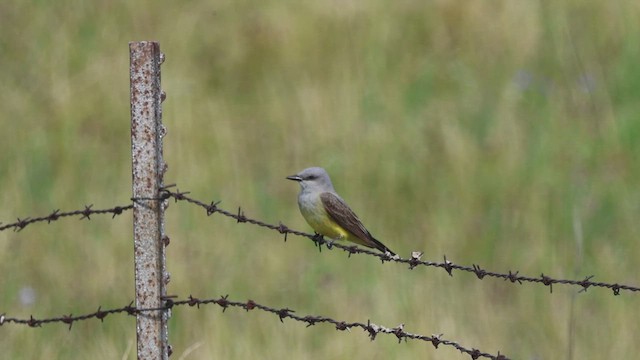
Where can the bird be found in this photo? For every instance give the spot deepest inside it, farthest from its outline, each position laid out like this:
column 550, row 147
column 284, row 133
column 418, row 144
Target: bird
column 327, row 213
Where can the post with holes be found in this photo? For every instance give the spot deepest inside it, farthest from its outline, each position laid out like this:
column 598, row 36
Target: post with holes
column 148, row 212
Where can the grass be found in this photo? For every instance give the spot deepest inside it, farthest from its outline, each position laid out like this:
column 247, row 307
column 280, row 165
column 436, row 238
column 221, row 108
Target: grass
column 492, row 132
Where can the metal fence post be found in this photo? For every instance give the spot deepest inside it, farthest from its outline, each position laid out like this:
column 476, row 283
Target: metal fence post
column 148, row 213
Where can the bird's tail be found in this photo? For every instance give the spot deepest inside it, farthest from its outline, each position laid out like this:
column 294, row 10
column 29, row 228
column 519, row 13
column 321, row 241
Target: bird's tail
column 380, row 246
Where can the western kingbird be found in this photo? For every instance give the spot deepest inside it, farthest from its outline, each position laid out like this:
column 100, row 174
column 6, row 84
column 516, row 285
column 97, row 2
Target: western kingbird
column 327, row 213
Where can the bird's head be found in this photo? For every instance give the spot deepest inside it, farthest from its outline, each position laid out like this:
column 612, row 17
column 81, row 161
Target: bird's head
column 313, row 178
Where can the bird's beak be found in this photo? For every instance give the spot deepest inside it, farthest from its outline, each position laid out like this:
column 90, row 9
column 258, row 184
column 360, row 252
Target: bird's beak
column 294, row 178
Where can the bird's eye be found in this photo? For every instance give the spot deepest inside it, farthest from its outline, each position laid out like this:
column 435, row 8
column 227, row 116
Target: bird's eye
column 311, row 177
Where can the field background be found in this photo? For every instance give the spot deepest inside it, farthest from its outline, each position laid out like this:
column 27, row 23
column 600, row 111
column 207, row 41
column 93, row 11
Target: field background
column 500, row 133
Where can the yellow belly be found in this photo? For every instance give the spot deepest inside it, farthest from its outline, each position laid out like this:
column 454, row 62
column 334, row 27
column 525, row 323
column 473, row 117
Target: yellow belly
column 318, row 218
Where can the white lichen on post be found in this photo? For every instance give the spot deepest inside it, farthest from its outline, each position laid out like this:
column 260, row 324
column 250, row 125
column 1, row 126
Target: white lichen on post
column 148, row 213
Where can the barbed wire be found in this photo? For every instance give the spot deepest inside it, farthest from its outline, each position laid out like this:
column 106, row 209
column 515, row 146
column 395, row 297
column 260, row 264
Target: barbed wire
column 413, row 262
column 56, row 215
column 370, row 328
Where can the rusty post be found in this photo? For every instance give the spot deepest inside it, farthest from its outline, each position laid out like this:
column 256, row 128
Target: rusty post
column 148, row 212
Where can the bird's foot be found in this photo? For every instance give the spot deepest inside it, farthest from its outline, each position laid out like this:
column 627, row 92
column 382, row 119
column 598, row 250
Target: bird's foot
column 329, row 243
column 318, row 239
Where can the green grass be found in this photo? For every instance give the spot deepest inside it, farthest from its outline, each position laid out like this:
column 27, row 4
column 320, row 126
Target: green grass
column 485, row 131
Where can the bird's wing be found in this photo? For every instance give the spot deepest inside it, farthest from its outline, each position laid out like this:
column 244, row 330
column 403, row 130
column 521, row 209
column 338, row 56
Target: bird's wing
column 344, row 216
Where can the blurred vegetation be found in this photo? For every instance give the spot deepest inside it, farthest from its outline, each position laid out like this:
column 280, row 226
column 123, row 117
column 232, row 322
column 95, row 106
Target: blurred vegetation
column 500, row 133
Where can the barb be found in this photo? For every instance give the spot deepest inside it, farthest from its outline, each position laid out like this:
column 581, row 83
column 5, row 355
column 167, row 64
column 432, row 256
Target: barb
column 370, row 328
column 56, row 215
column 413, row 262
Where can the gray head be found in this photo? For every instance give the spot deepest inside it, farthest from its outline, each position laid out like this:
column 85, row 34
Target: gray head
column 313, row 179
